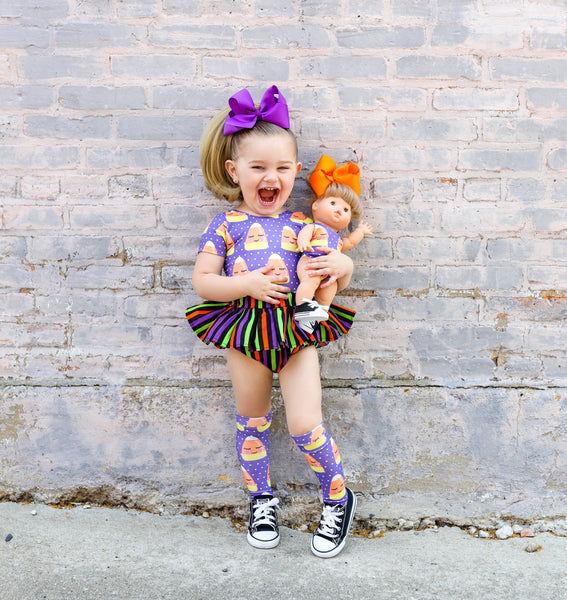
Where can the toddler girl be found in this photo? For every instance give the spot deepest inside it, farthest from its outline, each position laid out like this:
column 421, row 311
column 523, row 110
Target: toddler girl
column 249, row 156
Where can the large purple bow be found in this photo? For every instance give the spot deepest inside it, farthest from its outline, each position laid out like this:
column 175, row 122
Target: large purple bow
column 244, row 114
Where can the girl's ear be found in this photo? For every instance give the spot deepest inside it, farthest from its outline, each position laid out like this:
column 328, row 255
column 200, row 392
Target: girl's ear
column 299, row 166
column 231, row 169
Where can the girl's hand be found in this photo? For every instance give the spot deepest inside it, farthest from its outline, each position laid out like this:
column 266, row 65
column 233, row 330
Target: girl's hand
column 211, row 284
column 263, row 286
column 335, row 266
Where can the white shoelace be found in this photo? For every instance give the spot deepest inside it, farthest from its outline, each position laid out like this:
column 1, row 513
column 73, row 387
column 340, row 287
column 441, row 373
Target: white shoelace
column 264, row 513
column 330, row 520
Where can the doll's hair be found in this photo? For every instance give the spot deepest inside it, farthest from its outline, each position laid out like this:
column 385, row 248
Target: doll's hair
column 340, row 190
column 216, row 148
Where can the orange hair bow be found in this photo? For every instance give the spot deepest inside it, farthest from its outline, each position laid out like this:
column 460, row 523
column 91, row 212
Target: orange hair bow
column 327, row 172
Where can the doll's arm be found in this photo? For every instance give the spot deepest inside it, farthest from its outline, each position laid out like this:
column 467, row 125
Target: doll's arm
column 211, row 284
column 304, row 238
column 356, row 236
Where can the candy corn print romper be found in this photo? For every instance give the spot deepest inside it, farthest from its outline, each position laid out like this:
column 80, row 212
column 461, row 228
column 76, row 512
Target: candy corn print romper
column 266, row 332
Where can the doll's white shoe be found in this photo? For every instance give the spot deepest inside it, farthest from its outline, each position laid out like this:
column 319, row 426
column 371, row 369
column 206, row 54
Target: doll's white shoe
column 308, row 326
column 310, row 310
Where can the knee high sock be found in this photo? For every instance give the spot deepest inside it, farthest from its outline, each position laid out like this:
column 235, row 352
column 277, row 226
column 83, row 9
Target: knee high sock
column 323, row 457
column 253, row 448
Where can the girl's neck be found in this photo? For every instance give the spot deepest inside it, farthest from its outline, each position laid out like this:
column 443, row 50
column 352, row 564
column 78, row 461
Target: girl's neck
column 243, row 208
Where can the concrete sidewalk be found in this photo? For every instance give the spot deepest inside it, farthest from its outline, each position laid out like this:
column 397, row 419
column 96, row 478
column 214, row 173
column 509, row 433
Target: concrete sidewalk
column 100, row 554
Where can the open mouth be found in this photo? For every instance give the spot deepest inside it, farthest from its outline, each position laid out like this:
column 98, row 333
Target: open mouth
column 268, row 196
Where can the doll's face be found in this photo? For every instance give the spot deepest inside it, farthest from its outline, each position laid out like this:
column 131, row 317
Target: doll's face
column 334, row 212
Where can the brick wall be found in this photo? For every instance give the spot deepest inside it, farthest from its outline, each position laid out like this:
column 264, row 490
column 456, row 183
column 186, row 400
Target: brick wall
column 456, row 111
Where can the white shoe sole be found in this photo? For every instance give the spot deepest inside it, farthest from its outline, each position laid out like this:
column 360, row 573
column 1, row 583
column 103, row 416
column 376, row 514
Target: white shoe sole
column 265, row 545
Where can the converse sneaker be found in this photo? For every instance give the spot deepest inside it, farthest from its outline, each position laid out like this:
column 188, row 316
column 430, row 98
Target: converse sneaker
column 263, row 529
column 310, row 310
column 331, row 535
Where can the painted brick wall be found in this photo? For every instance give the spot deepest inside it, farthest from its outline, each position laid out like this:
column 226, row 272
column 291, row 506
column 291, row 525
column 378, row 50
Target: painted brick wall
column 456, row 111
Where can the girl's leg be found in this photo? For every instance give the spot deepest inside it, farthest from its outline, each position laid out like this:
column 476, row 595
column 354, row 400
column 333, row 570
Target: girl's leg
column 252, row 385
column 301, row 389
column 300, row 384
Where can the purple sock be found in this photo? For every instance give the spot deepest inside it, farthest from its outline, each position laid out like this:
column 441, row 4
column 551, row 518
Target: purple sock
column 253, row 448
column 323, row 457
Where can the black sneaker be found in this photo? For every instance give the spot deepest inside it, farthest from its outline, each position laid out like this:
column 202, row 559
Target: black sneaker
column 331, row 535
column 263, row 529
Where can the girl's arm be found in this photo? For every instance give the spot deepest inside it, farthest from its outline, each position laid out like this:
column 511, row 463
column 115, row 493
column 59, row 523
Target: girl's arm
column 211, row 284
column 334, row 264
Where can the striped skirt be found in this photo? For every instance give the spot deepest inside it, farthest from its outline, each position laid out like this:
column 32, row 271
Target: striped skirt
column 256, row 326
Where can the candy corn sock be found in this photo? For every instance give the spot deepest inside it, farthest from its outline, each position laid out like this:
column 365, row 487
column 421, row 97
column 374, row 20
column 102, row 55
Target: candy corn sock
column 253, row 448
column 323, row 457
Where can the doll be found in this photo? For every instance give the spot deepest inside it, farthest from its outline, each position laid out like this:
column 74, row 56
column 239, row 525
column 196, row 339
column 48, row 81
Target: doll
column 336, row 201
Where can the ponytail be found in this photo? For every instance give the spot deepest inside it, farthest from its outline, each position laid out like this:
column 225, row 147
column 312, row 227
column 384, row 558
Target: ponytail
column 214, row 152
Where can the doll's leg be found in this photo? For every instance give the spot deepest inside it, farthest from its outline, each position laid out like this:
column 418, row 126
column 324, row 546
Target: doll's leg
column 307, row 284
column 308, row 312
column 252, row 385
column 326, row 295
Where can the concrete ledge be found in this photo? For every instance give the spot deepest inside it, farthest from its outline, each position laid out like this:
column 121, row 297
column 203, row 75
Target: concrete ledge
column 410, row 452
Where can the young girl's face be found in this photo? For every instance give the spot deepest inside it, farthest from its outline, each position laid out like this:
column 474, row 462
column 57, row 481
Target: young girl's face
column 265, row 168
column 332, row 211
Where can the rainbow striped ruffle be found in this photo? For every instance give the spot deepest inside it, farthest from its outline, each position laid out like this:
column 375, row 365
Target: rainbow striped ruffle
column 256, row 325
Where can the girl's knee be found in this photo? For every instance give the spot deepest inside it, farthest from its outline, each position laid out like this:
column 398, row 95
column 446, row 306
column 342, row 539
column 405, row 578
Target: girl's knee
column 303, row 424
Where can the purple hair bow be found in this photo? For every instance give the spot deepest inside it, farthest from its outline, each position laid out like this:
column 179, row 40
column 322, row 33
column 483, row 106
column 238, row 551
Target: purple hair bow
column 244, row 114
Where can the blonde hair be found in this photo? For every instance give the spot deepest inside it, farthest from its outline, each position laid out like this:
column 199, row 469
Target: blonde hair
column 340, row 190
column 216, row 148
